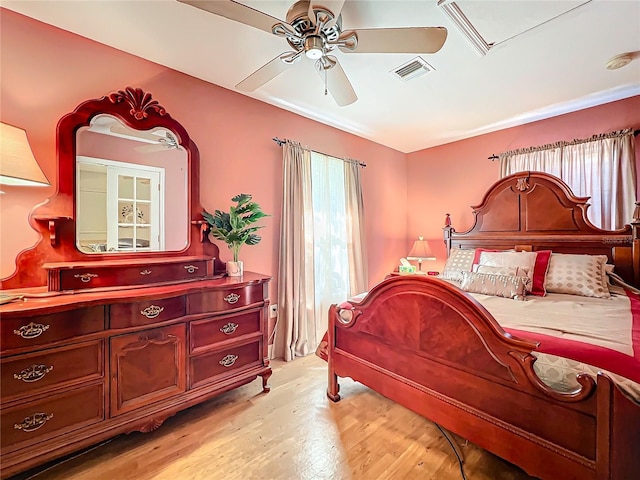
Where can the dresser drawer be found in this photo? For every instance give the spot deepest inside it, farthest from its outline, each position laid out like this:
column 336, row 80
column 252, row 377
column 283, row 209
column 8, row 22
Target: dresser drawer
column 29, row 374
column 40, row 329
column 81, row 277
column 206, row 333
column 36, row 421
column 147, row 366
column 134, row 314
column 209, row 367
column 225, row 299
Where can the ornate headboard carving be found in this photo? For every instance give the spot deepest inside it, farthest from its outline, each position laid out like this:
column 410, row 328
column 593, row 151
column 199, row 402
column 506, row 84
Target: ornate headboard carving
column 537, row 211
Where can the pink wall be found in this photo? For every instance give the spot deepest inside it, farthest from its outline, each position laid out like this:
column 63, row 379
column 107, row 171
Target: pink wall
column 453, row 177
column 47, row 72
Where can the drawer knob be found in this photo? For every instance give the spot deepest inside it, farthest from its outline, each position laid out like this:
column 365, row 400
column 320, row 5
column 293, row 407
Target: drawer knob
column 32, row 330
column 229, row 328
column 228, row 360
column 33, row 422
column 232, row 298
column 152, row 311
column 190, row 268
column 33, row 373
column 145, row 272
column 85, row 277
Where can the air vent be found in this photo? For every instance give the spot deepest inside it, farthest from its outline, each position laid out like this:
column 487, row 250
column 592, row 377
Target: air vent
column 412, row 69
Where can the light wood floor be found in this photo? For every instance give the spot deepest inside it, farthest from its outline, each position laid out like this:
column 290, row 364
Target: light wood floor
column 292, row 433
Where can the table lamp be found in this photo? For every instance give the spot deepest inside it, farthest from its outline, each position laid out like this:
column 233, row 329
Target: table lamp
column 420, row 251
column 18, row 166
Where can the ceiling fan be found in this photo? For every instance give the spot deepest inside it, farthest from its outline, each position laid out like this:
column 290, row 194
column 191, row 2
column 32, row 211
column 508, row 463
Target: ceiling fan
column 154, row 140
column 314, row 30
column 166, row 142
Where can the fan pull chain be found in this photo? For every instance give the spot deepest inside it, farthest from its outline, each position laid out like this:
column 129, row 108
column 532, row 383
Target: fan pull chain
column 325, row 82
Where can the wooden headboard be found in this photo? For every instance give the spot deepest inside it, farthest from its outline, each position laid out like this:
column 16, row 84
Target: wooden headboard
column 537, row 211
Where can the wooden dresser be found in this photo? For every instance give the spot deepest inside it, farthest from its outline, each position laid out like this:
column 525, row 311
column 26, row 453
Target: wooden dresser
column 82, row 367
column 127, row 319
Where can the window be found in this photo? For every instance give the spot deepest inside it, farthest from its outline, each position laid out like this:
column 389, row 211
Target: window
column 601, row 167
column 330, row 255
column 322, row 246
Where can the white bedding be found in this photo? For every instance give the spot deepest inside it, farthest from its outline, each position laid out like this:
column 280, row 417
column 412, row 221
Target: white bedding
column 605, row 322
column 560, row 374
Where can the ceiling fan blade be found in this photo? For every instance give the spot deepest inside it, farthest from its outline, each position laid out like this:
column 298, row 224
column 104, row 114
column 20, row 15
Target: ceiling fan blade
column 398, row 40
column 237, row 12
column 335, row 6
column 311, row 14
column 265, row 73
column 337, row 82
column 150, row 148
column 131, row 134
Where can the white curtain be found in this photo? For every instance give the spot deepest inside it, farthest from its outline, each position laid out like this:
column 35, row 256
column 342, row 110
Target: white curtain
column 322, row 253
column 605, row 170
column 356, row 248
column 547, row 159
column 602, row 167
column 331, row 260
column 296, row 301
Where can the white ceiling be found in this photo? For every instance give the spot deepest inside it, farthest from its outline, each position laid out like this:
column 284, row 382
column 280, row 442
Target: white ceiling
column 549, row 58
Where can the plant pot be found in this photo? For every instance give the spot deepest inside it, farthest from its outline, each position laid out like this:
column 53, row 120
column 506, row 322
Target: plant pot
column 235, row 269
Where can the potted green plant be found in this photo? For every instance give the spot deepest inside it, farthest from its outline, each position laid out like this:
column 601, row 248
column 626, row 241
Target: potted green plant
column 236, row 228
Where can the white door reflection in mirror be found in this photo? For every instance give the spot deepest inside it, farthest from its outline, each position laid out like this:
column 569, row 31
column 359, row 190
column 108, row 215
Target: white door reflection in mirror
column 120, row 208
column 132, row 199
column 106, row 144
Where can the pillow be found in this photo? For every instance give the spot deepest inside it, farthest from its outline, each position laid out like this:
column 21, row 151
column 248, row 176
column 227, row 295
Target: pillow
column 575, row 274
column 508, row 286
column 459, row 260
column 535, row 263
column 513, row 271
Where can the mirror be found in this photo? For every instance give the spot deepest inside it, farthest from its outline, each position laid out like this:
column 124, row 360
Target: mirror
column 131, row 189
column 149, row 220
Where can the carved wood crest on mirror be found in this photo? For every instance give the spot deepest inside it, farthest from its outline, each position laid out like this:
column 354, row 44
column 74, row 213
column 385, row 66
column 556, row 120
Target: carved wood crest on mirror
column 127, row 210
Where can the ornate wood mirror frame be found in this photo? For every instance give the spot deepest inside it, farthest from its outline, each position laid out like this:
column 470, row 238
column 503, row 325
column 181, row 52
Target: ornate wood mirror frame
column 55, row 219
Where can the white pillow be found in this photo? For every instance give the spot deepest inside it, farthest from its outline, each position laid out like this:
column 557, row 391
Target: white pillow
column 513, row 271
column 584, row 275
column 508, row 286
column 524, row 260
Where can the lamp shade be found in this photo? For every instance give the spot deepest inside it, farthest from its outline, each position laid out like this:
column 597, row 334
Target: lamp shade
column 421, row 250
column 18, row 166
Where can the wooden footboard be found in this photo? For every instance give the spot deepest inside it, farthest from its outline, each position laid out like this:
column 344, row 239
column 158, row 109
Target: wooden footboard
column 430, row 347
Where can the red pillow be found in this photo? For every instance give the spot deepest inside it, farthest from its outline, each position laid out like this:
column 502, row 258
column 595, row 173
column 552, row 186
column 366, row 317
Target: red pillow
column 540, row 272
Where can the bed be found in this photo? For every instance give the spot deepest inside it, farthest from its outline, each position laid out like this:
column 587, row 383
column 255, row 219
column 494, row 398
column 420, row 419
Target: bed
column 425, row 343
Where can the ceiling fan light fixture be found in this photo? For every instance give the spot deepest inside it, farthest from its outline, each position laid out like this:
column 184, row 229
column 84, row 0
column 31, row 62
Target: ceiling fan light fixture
column 314, row 47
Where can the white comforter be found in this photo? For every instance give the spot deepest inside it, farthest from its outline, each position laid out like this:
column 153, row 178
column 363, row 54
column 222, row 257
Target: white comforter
column 605, row 322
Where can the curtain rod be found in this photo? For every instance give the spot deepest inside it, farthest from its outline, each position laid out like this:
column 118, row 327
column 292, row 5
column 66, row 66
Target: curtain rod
column 495, row 157
column 281, row 142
